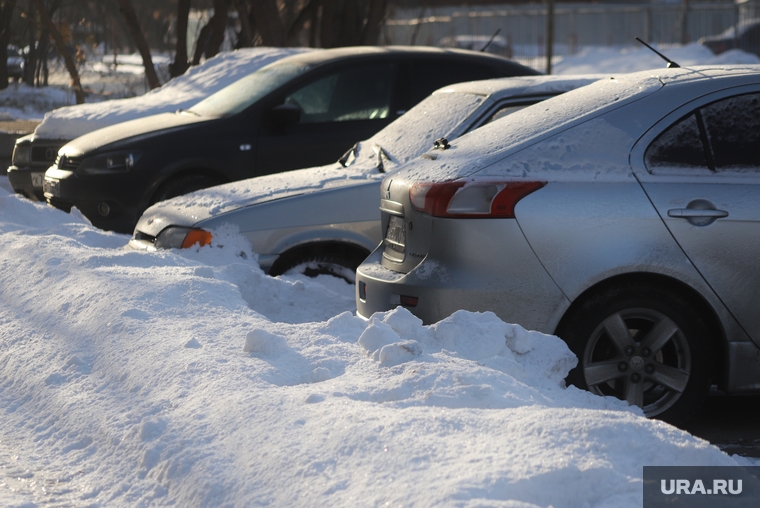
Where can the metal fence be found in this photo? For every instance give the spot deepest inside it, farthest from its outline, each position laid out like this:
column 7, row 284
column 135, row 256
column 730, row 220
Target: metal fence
column 522, row 29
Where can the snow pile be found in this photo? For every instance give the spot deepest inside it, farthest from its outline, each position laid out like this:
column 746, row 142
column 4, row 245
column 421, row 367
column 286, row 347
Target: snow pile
column 180, row 93
column 189, row 378
column 608, row 60
column 21, row 101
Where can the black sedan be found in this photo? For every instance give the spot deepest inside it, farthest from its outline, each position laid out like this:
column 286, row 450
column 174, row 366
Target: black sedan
column 303, row 110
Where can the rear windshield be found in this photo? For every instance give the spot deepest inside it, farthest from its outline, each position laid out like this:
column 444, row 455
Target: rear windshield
column 244, row 92
column 435, row 117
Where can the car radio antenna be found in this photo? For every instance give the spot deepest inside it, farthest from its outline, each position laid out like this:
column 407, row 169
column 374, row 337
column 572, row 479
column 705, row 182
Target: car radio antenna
column 490, row 40
column 671, row 63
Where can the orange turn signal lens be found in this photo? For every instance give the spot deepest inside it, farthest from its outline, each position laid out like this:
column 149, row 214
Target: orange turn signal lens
column 196, row 236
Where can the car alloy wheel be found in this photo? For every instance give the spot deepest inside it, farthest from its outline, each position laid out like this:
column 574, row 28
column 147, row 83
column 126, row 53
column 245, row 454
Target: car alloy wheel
column 639, row 355
column 645, row 345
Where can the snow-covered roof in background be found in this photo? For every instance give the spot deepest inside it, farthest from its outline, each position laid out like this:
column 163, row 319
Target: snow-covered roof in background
column 179, row 93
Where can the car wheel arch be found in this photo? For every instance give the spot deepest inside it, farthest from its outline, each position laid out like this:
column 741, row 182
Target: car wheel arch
column 316, row 249
column 646, row 279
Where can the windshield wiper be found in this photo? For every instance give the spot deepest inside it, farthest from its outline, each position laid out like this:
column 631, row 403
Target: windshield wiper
column 381, row 154
column 180, row 111
column 347, row 158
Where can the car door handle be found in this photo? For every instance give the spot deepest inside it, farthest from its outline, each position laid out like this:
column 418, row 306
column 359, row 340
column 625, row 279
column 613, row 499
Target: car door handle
column 690, row 213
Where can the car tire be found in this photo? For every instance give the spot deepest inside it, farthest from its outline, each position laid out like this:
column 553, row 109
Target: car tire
column 184, row 185
column 337, row 265
column 666, row 372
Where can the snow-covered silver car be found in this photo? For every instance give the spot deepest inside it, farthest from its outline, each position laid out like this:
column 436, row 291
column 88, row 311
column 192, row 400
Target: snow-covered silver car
column 325, row 219
column 623, row 217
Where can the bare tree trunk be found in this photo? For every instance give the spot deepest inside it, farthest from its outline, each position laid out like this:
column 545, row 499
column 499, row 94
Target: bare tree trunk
column 245, row 38
column 268, row 22
column 684, row 23
column 30, row 65
column 314, row 26
column 375, row 20
column 62, row 51
column 42, row 73
column 218, row 26
column 180, row 64
column 549, row 35
column 125, row 7
column 331, row 23
column 201, row 43
column 6, row 11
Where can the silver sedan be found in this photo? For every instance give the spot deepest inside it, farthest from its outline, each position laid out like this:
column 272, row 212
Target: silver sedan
column 325, row 219
column 623, row 217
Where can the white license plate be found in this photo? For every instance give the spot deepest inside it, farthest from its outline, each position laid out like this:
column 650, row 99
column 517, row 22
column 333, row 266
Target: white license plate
column 395, row 237
column 37, row 179
column 51, row 188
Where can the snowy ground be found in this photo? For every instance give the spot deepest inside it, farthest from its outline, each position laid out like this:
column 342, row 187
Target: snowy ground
column 192, row 379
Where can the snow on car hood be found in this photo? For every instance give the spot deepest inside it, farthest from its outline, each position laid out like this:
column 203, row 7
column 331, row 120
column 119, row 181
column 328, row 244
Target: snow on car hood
column 179, row 93
column 192, row 208
column 138, row 127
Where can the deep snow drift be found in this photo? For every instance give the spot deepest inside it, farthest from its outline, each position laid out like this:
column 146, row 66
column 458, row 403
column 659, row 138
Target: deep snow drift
column 191, row 378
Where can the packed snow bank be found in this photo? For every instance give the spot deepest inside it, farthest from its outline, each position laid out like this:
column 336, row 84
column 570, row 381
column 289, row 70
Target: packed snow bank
column 189, row 378
column 180, row 93
column 606, row 60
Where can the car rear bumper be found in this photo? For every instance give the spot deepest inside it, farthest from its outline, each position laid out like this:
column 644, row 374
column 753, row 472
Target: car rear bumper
column 516, row 287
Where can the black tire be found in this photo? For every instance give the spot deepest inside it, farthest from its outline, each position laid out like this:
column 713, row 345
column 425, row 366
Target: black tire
column 184, row 185
column 666, row 372
column 338, row 265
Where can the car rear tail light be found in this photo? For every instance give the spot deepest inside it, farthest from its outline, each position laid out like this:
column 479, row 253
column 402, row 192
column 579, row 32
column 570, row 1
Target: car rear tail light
column 196, row 236
column 470, row 199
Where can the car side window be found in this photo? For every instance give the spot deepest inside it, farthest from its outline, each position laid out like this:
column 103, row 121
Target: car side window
column 680, row 145
column 358, row 93
column 733, row 132
column 721, row 136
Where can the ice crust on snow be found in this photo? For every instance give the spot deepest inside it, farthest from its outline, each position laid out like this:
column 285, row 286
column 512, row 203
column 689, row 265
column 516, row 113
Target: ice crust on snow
column 179, row 93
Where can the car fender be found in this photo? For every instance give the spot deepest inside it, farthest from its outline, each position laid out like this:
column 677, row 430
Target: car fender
column 348, row 214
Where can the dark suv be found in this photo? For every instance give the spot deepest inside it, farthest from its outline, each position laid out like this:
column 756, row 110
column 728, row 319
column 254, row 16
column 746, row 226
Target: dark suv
column 301, row 111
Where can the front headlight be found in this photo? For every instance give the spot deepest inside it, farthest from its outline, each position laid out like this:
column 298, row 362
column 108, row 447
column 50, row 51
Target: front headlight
column 116, row 162
column 22, row 155
column 175, row 237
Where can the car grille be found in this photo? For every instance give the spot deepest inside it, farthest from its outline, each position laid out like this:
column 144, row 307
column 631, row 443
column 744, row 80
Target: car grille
column 44, row 153
column 70, row 163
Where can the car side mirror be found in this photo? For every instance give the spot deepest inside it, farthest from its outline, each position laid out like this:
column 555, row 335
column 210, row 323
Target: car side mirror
column 283, row 116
